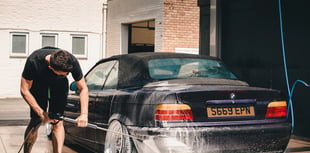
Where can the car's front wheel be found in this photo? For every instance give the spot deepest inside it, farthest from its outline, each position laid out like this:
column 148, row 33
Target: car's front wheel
column 117, row 140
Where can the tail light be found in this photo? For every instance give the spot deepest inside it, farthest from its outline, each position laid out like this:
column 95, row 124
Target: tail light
column 276, row 109
column 173, row 112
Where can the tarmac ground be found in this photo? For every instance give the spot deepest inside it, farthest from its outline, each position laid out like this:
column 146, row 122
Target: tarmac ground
column 14, row 116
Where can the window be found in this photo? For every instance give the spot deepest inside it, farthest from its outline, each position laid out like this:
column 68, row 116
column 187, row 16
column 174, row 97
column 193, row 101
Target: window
column 49, row 40
column 104, row 73
column 141, row 36
column 19, row 46
column 112, row 80
column 173, row 68
column 79, row 45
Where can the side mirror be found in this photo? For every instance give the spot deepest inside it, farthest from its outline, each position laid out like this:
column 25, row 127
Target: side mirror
column 73, row 87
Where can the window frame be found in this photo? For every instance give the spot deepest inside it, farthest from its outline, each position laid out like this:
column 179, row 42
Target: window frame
column 50, row 34
column 85, row 54
column 104, row 69
column 26, row 52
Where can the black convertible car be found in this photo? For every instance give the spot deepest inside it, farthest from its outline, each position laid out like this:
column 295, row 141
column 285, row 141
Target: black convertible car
column 169, row 103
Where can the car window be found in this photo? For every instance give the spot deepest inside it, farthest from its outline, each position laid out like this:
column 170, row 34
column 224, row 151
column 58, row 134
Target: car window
column 174, row 68
column 112, row 80
column 96, row 78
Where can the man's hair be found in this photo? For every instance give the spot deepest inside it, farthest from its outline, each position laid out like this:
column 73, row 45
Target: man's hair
column 61, row 60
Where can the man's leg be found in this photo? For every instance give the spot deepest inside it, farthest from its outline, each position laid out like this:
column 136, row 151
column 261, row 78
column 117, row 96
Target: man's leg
column 39, row 91
column 59, row 92
column 31, row 134
column 58, row 137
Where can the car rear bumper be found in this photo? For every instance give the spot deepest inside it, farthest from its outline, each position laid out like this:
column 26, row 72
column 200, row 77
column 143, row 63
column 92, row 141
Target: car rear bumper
column 249, row 138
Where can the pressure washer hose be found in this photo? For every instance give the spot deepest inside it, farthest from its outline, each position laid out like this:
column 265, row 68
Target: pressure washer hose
column 289, row 90
column 93, row 126
column 26, row 138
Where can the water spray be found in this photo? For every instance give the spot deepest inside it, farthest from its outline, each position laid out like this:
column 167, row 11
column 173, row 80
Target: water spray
column 148, row 143
column 289, row 90
column 93, row 126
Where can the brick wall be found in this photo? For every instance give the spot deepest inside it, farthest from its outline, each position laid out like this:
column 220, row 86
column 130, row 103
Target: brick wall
column 181, row 24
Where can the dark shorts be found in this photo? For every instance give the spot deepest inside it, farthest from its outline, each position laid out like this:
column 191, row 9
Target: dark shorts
column 51, row 96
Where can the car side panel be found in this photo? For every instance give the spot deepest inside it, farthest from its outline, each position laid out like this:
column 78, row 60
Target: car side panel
column 102, row 111
column 83, row 136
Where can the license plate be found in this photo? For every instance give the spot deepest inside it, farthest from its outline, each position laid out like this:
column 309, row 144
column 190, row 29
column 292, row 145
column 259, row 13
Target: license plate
column 230, row 111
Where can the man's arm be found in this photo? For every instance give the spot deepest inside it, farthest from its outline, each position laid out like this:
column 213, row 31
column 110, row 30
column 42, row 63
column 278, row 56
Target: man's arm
column 25, row 86
column 82, row 120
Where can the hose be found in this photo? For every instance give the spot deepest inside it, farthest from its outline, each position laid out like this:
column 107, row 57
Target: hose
column 93, row 126
column 26, row 138
column 289, row 90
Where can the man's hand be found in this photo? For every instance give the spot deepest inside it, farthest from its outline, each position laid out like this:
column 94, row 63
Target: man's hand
column 82, row 120
column 44, row 118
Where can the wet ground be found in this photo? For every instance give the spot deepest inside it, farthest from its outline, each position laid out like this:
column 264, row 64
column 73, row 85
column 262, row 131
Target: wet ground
column 14, row 117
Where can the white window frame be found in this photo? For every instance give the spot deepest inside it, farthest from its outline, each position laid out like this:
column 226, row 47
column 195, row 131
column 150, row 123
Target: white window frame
column 12, row 53
column 51, row 35
column 85, row 45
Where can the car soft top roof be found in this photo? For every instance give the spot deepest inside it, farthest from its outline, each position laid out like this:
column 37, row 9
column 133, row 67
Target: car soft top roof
column 133, row 68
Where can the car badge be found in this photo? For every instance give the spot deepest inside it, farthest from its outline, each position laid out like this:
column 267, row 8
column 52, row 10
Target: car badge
column 232, row 96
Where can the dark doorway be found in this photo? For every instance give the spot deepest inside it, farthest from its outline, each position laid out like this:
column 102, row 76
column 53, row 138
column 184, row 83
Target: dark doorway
column 250, row 45
column 141, row 36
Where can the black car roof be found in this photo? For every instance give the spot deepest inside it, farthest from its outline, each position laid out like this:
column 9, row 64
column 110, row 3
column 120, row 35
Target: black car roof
column 152, row 55
column 133, row 68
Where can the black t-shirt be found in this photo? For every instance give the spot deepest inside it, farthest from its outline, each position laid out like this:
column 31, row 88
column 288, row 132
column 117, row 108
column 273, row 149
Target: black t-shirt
column 36, row 67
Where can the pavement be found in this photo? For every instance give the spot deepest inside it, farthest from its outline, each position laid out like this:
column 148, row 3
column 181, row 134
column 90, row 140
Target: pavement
column 14, row 116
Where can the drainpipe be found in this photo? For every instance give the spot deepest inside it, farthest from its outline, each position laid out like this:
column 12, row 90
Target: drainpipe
column 104, row 27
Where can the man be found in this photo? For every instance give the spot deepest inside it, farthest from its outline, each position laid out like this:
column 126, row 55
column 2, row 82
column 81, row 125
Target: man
column 44, row 86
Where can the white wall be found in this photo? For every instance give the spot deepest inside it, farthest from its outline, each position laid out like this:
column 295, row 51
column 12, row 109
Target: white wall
column 122, row 12
column 61, row 17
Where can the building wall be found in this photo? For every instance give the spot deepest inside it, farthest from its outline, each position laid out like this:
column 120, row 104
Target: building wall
column 176, row 24
column 181, row 25
column 176, row 21
column 63, row 18
column 121, row 13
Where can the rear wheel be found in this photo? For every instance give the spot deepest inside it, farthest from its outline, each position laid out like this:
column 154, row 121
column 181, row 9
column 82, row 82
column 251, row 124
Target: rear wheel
column 116, row 140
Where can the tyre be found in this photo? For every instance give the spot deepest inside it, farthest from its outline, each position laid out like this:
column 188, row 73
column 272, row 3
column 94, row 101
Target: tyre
column 115, row 142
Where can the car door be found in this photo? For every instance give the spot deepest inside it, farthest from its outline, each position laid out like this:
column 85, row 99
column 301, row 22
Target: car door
column 104, row 102
column 95, row 80
column 85, row 136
